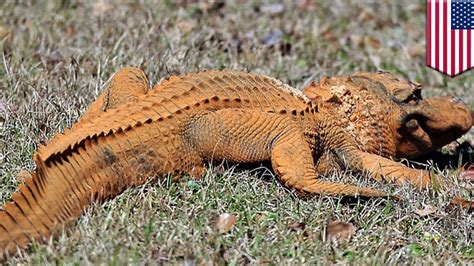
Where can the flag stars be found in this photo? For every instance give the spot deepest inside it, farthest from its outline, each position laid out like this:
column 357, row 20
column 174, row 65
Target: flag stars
column 462, row 14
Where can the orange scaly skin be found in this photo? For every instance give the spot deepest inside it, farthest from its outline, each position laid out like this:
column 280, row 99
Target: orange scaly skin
column 131, row 133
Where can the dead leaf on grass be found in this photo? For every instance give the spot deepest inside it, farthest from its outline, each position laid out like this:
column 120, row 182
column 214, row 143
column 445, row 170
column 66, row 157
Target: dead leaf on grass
column 5, row 32
column 462, row 203
column 186, row 26
column 101, row 7
column 225, row 222
column 89, row 67
column 296, row 226
column 299, row 227
column 306, row 5
column 71, row 30
column 427, row 210
column 155, row 254
column 338, row 231
column 365, row 17
column 468, row 174
column 158, row 255
column 372, row 42
column 211, row 6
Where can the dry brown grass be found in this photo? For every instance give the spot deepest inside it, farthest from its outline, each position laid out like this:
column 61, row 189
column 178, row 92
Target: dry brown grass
column 59, row 56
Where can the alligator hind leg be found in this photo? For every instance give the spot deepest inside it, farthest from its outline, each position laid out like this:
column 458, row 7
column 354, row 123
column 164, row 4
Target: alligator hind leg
column 126, row 86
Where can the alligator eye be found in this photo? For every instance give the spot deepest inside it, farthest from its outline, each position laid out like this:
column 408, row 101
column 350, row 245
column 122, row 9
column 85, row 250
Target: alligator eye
column 413, row 98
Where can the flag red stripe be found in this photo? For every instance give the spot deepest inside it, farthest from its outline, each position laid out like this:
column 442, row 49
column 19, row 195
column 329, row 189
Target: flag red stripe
column 445, row 37
column 436, row 44
column 469, row 49
column 453, row 52
column 461, row 33
column 428, row 34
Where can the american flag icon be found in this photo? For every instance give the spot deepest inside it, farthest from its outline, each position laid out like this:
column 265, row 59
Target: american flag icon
column 449, row 45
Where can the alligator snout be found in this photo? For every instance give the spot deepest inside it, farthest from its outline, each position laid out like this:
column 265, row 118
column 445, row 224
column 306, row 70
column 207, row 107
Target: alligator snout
column 445, row 114
column 436, row 121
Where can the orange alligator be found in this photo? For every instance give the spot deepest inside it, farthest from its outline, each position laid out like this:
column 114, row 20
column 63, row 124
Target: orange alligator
column 131, row 133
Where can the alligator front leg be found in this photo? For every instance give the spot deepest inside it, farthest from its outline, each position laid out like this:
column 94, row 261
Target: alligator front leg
column 339, row 147
column 251, row 136
column 382, row 168
column 295, row 168
column 379, row 168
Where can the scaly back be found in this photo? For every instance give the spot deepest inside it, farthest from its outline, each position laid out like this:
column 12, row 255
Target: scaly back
column 178, row 98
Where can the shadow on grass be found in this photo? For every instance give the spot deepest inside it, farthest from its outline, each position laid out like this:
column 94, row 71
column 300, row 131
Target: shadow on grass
column 460, row 156
column 263, row 171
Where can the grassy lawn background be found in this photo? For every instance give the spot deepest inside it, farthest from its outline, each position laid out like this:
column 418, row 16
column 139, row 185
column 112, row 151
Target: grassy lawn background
column 57, row 57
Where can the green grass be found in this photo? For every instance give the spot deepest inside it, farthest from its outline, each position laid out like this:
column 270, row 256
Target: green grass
column 60, row 55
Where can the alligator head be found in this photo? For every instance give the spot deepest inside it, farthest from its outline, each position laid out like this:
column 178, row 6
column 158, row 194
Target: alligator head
column 387, row 115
